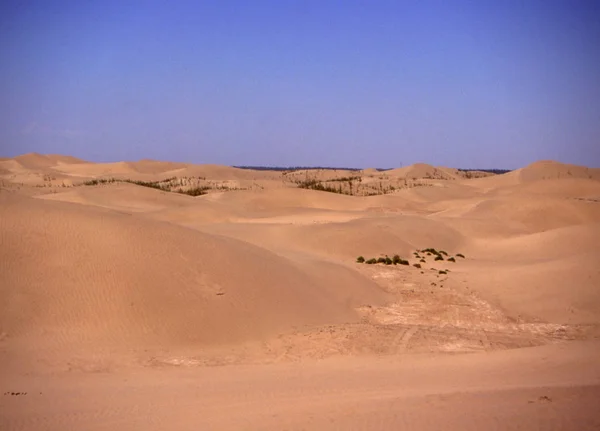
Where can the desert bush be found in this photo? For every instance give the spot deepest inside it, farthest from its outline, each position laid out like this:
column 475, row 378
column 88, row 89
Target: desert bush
column 381, row 260
column 196, row 191
column 404, row 262
column 417, row 265
column 442, row 272
column 371, row 261
column 443, row 252
column 396, row 259
column 439, row 257
column 451, row 259
column 360, row 259
column 95, row 182
column 388, row 261
column 460, row 255
column 422, row 261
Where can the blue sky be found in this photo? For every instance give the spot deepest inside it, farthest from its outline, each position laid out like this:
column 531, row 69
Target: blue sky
column 339, row 83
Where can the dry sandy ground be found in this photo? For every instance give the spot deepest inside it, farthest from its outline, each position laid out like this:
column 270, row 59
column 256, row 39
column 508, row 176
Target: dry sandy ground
column 126, row 307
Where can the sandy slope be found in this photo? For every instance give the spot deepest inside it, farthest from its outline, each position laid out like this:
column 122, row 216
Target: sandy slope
column 500, row 391
column 128, row 307
column 83, row 275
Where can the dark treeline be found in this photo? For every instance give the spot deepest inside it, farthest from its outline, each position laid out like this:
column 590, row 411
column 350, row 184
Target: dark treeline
column 294, row 168
column 491, row 171
column 329, row 168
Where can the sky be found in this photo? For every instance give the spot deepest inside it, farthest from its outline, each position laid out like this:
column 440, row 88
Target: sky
column 467, row 84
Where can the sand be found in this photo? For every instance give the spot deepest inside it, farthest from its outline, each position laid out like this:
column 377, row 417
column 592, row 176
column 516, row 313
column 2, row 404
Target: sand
column 132, row 307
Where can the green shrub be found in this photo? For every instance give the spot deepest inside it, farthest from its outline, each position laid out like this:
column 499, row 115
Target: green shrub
column 396, row 259
column 381, row 260
column 388, row 261
column 360, row 259
column 371, row 261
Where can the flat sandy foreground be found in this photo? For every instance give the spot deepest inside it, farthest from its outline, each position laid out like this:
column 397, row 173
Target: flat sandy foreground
column 155, row 295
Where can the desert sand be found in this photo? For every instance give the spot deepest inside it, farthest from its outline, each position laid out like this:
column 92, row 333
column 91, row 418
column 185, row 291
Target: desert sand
column 160, row 295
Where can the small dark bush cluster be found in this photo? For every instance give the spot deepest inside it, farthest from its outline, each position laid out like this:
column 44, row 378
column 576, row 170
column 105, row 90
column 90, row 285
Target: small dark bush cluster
column 417, row 265
column 451, row 259
column 442, row 272
column 439, row 257
column 95, row 182
column 460, row 255
column 196, row 191
column 396, row 260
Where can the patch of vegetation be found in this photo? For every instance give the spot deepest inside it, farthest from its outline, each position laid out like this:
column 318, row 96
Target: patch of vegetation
column 417, row 265
column 371, row 261
column 319, row 186
column 360, row 259
column 422, row 261
column 196, row 191
column 346, row 179
column 96, row 182
column 439, row 257
column 443, row 252
column 388, row 261
column 491, row 171
column 451, row 259
column 295, row 168
column 158, row 185
column 381, row 260
column 460, row 255
column 442, row 272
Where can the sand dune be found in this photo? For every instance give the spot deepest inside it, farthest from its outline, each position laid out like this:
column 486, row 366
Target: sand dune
column 129, row 307
column 536, row 214
column 123, row 197
column 421, row 170
column 35, row 161
column 61, row 159
column 85, row 275
column 273, row 200
column 547, row 169
column 85, row 170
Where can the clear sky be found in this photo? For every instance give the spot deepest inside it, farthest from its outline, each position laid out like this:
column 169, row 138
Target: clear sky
column 479, row 83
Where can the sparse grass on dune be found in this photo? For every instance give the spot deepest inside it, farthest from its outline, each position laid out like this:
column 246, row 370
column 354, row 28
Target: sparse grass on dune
column 173, row 184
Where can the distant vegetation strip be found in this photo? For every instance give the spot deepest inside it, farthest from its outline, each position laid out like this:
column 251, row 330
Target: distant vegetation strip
column 330, row 168
column 158, row 185
column 294, row 168
column 490, row 171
